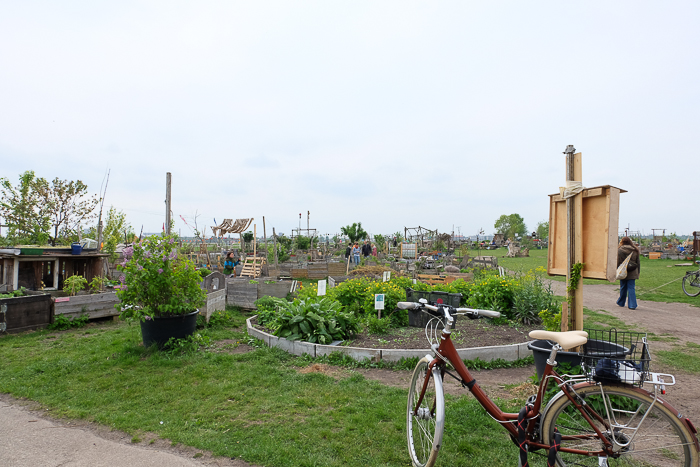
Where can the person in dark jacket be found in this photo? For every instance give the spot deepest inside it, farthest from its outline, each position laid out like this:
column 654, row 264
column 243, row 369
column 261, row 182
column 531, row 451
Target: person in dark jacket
column 627, row 288
column 348, row 250
column 366, row 249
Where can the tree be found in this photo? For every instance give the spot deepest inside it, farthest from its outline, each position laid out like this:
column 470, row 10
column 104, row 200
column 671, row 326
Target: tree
column 23, row 210
column 354, row 232
column 380, row 240
column 509, row 225
column 116, row 228
column 67, row 207
column 543, row 230
column 247, row 238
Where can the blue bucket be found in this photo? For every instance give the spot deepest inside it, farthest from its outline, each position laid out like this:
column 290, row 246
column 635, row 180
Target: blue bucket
column 76, row 248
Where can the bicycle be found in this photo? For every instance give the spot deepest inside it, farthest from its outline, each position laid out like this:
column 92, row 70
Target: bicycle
column 593, row 420
column 691, row 282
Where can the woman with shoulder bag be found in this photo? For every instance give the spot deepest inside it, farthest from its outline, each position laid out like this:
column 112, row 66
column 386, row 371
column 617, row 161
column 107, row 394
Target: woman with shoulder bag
column 627, row 288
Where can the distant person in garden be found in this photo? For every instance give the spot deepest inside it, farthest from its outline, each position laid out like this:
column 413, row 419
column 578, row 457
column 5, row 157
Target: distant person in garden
column 230, row 265
column 627, row 291
column 374, row 249
column 356, row 253
column 366, row 249
column 348, row 251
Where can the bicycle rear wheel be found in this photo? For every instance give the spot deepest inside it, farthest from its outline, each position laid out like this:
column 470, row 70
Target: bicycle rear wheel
column 691, row 284
column 660, row 439
column 425, row 424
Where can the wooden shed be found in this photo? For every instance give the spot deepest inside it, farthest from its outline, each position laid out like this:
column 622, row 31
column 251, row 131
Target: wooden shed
column 37, row 269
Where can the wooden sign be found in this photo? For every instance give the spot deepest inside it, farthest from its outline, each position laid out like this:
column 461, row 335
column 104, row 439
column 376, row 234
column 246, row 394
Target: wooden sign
column 599, row 222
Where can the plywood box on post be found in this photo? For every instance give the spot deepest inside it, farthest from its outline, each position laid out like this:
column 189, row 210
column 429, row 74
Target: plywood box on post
column 599, row 222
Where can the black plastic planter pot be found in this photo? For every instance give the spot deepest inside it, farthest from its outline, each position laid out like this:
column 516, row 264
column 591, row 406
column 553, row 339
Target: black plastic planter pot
column 541, row 349
column 159, row 330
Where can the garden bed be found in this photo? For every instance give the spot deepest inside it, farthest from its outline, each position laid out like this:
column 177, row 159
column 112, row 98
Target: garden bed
column 467, row 333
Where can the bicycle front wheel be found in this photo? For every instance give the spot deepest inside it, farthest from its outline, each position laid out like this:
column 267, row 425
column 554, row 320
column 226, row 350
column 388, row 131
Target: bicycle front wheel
column 659, row 439
column 691, row 284
column 425, row 422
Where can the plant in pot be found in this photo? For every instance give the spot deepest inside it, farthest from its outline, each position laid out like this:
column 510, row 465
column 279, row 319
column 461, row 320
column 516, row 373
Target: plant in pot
column 160, row 290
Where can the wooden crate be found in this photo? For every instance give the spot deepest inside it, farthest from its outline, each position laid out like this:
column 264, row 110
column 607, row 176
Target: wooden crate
column 25, row 313
column 318, row 271
column 278, row 289
column 336, row 269
column 300, row 273
column 97, row 305
column 654, row 255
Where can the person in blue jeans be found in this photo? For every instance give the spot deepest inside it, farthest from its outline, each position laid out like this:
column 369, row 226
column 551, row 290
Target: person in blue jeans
column 356, row 253
column 627, row 290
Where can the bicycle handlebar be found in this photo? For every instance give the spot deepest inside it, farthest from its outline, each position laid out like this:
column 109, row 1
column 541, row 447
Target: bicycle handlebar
column 472, row 311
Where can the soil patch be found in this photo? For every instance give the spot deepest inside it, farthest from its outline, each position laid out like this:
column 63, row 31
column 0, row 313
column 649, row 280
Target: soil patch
column 467, row 333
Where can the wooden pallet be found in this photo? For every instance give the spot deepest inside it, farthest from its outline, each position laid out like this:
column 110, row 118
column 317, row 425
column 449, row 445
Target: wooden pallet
column 253, row 266
column 432, row 280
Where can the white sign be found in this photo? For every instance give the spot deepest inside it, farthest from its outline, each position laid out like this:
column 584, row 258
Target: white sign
column 331, row 282
column 379, row 301
column 414, row 281
column 386, row 277
column 321, row 288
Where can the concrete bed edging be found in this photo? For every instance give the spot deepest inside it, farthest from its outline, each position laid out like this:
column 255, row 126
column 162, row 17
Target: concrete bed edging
column 510, row 352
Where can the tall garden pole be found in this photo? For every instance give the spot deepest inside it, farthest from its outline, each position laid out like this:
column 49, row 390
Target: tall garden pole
column 168, row 178
column 574, row 239
column 274, row 239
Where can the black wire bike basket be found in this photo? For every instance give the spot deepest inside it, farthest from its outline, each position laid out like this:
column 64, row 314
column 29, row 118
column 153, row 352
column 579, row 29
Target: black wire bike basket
column 613, row 356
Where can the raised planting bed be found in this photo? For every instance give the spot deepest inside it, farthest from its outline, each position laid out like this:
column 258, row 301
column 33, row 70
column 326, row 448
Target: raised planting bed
column 474, row 340
column 17, row 314
column 99, row 305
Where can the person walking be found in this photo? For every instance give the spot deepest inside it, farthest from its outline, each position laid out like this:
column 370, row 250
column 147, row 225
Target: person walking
column 627, row 286
column 230, row 265
column 374, row 250
column 348, row 251
column 366, row 249
column 356, row 253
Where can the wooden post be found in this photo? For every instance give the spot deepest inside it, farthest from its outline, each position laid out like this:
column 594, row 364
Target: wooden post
column 265, row 235
column 574, row 238
column 255, row 235
column 274, row 239
column 168, row 179
column 564, row 317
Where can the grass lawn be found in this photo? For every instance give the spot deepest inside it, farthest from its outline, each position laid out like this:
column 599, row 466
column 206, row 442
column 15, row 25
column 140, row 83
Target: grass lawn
column 659, row 279
column 254, row 405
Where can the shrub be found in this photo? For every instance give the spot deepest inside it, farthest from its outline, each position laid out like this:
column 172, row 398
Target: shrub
column 319, row 321
column 378, row 326
column 74, row 284
column 531, row 297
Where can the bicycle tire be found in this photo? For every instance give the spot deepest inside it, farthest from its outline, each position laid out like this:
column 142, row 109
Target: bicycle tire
column 661, row 439
column 424, row 430
column 691, row 284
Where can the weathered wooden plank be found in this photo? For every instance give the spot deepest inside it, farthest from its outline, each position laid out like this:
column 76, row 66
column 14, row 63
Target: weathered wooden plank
column 25, row 313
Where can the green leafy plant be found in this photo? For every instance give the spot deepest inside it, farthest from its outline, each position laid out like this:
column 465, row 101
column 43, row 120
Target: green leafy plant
column 531, row 297
column 203, row 272
column 319, row 321
column 378, row 326
column 62, row 322
column 302, row 242
column 15, row 293
column 158, row 282
column 74, row 284
column 97, row 284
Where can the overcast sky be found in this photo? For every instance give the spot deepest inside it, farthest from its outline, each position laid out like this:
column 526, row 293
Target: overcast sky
column 394, row 114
